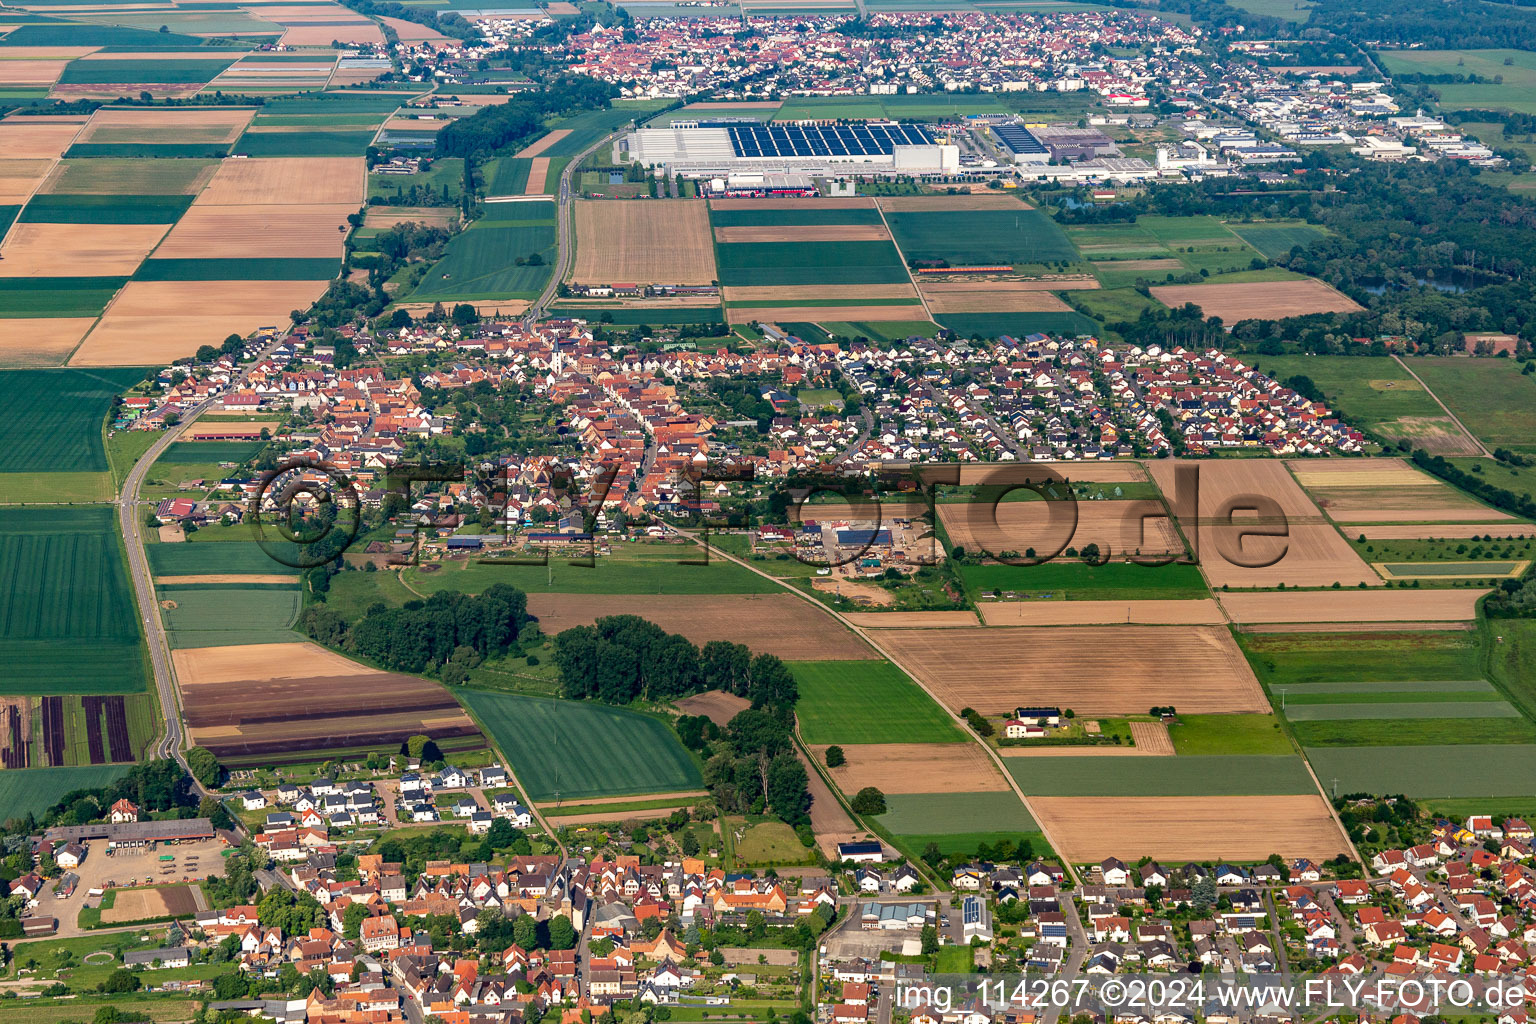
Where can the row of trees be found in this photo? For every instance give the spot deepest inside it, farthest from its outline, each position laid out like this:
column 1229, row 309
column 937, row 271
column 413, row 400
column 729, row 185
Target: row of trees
column 511, row 123
column 426, row 634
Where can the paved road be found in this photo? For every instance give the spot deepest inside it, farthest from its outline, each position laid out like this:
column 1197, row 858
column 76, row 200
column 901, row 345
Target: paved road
column 564, row 231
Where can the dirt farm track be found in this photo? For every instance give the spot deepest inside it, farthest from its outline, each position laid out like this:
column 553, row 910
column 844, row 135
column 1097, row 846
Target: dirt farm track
column 1095, row 670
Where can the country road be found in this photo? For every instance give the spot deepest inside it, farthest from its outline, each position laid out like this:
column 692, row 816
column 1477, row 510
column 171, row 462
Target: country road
column 565, row 240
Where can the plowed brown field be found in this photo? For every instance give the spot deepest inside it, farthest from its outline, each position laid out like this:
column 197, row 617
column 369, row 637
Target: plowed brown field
column 1095, row 670
column 779, row 624
column 1353, row 606
column 1117, row 527
column 1088, row 613
column 1258, row 300
column 915, row 768
column 1187, row 828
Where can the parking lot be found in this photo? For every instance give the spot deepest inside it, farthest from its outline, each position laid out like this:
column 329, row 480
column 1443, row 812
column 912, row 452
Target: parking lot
column 131, row 866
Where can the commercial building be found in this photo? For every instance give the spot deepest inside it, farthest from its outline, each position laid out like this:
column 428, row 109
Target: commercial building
column 737, row 150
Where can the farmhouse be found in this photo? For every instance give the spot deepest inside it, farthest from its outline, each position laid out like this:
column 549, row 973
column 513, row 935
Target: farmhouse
column 861, row 852
column 156, row 959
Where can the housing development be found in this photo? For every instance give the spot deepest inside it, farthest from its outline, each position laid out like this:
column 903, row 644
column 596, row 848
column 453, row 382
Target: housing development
column 767, row 512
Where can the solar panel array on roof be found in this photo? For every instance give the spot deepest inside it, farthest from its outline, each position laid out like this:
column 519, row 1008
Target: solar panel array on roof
column 1018, row 139
column 760, row 140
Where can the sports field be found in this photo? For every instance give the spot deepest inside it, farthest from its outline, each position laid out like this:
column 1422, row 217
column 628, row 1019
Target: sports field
column 67, row 622
column 866, row 702
column 569, row 749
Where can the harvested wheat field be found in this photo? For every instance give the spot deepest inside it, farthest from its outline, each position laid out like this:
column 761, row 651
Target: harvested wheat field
column 161, row 581
column 1117, row 527
column 19, row 178
column 915, row 768
column 1203, row 612
column 279, row 698
column 1353, row 606
column 1095, row 670
column 543, row 143
column 45, row 341
column 660, row 241
column 247, row 232
column 779, row 624
column 716, row 705
column 1258, row 300
column 911, row 620
column 389, row 216
column 886, row 508
column 1082, row 472
column 31, row 72
column 1189, row 828
column 320, row 181
column 1001, row 300
column 969, row 201
column 805, row 293
column 1311, row 554
column 77, row 250
column 47, row 52
column 793, row 203
column 154, row 322
column 538, row 177
column 36, row 139
column 325, row 35
column 1385, row 490
column 1445, row 531
column 212, row 430
column 130, row 905
column 1148, row 739
column 823, row 314
column 410, row 32
column 804, row 233
column 176, row 124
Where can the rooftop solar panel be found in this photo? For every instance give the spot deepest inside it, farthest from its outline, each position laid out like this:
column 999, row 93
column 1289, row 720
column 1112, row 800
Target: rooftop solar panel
column 1018, row 139
column 757, row 140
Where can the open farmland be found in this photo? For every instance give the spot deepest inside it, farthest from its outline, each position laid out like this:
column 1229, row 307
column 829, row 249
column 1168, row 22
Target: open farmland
column 1258, row 300
column 60, row 250
column 1095, row 670
column 1332, row 606
column 1490, row 396
column 34, row 790
column 764, row 264
column 54, row 418
column 257, row 232
column 630, row 569
column 106, row 176
column 322, row 181
column 1281, row 659
column 778, row 624
column 219, row 615
column 1311, row 553
column 1211, row 775
column 44, row 341
column 177, row 126
column 490, row 261
column 1385, row 490
column 866, row 702
column 1466, row 770
column 1119, row 528
column 272, row 703
column 67, row 621
column 992, row 296
column 1083, row 613
column 244, row 558
column 956, row 813
column 1276, row 240
column 971, row 238
column 915, row 768
column 37, row 140
column 569, row 749
column 659, row 242
column 1180, row 828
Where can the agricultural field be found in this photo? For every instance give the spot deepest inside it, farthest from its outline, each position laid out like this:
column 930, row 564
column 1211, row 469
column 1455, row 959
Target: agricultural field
column 1182, row 828
column 1074, row 580
column 778, row 624
column 1095, row 670
column 61, row 731
column 1352, row 606
column 785, row 264
column 229, row 614
column 1211, row 775
column 1516, row 92
column 1116, row 528
column 238, row 555
column 570, row 750
column 900, row 768
column 976, row 238
column 51, row 438
column 277, row 703
column 1490, row 396
column 1377, row 394
column 1275, row 240
column 1155, row 612
column 1384, row 491
column 629, row 569
column 866, row 702
column 34, row 790
column 1465, row 770
column 1283, row 659
column 67, row 619
column 492, row 260
column 1258, row 300
column 659, row 242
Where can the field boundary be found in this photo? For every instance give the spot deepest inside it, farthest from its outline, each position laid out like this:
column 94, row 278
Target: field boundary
column 1444, row 408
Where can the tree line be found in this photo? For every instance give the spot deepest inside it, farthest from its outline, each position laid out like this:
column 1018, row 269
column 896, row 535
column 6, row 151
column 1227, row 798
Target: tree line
column 423, row 635
column 518, row 120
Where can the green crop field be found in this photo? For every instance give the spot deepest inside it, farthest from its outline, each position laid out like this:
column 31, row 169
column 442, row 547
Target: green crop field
column 147, row 150
column 158, row 72
column 1207, row 735
column 866, row 702
column 482, row 263
column 1408, row 707
column 53, row 419
column 1016, row 325
column 337, row 103
column 226, row 616
column 1464, row 692
column 315, row 143
column 792, row 218
column 1466, row 770
column 1290, row 10
column 22, row 297
column 1276, row 240
column 1113, row 305
column 577, row 749
column 1368, row 390
column 766, row 264
column 157, row 178
column 1516, row 92
column 244, row 557
column 1215, row 775
column 1280, row 659
column 67, row 622
column 508, row 178
column 588, row 127
column 318, row 268
column 64, row 208
column 1185, row 231
column 630, row 569
column 212, row 451
column 965, row 844
column 75, row 34
column 1392, row 731
column 892, row 330
column 26, row 791
column 981, row 237
column 957, row 813
column 630, row 317
column 1076, row 580
column 1490, row 397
